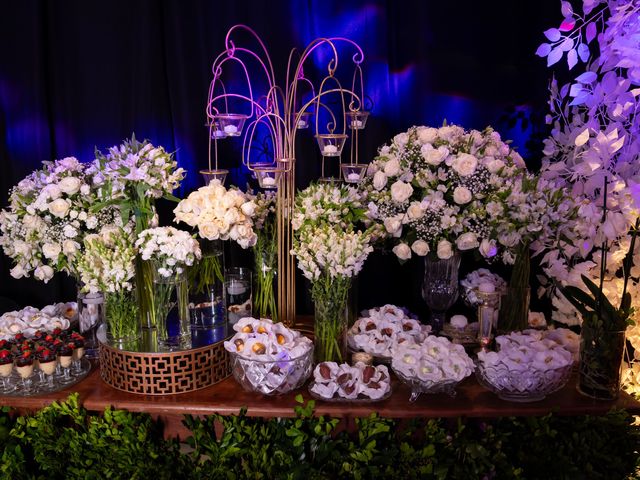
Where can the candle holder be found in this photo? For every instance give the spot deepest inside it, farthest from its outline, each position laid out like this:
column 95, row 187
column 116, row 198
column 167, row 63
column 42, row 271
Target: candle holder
column 488, row 308
column 215, row 132
column 353, row 172
column 331, row 144
column 210, row 175
column 231, row 123
column 357, row 120
column 268, row 177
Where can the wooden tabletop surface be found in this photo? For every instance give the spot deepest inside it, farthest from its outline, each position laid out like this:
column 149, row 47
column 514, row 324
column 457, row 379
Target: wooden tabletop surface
column 227, row 397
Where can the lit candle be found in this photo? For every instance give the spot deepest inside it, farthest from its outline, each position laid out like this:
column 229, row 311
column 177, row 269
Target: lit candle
column 356, row 124
column 459, row 321
column 330, row 149
column 302, row 124
column 354, row 177
column 235, row 287
column 217, row 134
column 230, row 129
column 268, row 181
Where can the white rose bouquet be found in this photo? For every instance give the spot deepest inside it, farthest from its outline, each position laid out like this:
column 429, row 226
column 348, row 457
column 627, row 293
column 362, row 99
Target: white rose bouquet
column 50, row 213
column 432, row 189
column 170, row 251
column 331, row 244
column 108, row 265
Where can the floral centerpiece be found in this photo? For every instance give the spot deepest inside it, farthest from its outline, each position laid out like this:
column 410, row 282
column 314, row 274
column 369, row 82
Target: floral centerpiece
column 50, row 213
column 331, row 245
column 170, row 251
column 108, row 266
column 265, row 253
column 133, row 176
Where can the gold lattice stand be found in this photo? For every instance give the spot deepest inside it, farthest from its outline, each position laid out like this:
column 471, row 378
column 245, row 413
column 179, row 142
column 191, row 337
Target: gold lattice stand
column 164, row 373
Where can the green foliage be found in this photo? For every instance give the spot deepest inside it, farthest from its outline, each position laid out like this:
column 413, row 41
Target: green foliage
column 64, row 441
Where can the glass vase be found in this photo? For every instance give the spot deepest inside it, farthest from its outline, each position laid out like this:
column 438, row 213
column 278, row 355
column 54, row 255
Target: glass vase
column 91, row 316
column 121, row 313
column 601, row 354
column 264, row 299
column 206, row 295
column 171, row 308
column 440, row 287
column 514, row 310
column 331, row 321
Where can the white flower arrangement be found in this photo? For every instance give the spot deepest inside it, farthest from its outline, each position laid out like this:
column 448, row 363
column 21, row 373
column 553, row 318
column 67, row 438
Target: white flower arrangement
column 435, row 360
column 169, row 248
column 50, row 213
column 474, row 279
column 108, row 262
column 432, row 189
column 219, row 214
column 148, row 170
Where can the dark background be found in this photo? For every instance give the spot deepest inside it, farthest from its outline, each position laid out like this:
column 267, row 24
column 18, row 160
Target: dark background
column 75, row 75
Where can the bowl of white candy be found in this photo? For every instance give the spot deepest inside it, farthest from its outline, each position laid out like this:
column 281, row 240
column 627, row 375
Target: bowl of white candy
column 269, row 358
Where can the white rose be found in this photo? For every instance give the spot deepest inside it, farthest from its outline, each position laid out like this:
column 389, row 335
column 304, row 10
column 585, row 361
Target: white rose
column 85, row 189
column 427, row 134
column 467, row 241
column 494, row 166
column 488, row 248
column 401, row 139
column 69, row 247
column 415, row 211
column 402, row 251
column 51, row 250
column 22, row 248
column 434, row 156
column 420, row 248
column 70, row 185
column 379, row 180
column 392, row 167
column 444, row 250
column 249, row 208
column 400, row 191
column 232, row 216
column 53, row 191
column 44, row 273
column 393, row 225
column 464, row 164
column 59, row 207
column 18, row 271
column 209, row 231
column 462, row 195
column 510, row 239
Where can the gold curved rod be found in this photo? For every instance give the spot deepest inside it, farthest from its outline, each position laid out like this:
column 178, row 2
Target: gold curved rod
column 210, row 105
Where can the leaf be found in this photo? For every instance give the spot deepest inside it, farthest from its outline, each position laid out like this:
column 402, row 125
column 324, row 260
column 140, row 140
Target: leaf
column 567, row 25
column 583, row 53
column 586, row 77
column 566, row 45
column 591, row 32
column 552, row 34
column 554, row 57
column 582, row 138
column 572, row 58
column 543, row 50
column 580, row 296
column 566, row 9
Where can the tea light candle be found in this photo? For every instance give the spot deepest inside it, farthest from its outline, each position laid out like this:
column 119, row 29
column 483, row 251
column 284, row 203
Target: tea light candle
column 217, row 134
column 354, row 177
column 235, row 287
column 268, row 181
column 230, row 129
column 302, row 124
column 356, row 124
column 459, row 321
column 330, row 149
column 363, row 357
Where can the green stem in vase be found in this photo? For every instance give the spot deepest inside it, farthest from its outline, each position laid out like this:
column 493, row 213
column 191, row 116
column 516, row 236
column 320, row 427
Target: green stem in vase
column 163, row 305
column 204, row 273
column 265, row 255
column 121, row 312
column 143, row 211
column 330, row 296
column 514, row 311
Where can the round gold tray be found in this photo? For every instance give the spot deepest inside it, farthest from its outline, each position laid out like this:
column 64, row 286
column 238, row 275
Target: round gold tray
column 164, row 373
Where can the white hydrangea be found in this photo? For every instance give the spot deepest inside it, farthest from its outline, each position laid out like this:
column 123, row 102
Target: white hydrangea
column 169, row 248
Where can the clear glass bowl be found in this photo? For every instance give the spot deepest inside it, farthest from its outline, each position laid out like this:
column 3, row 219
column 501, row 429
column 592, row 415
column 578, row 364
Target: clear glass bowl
column 421, row 386
column 528, row 385
column 272, row 377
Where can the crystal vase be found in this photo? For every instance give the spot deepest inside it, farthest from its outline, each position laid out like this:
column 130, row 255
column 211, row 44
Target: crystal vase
column 440, row 287
column 601, row 354
column 171, row 309
column 91, row 316
column 514, row 314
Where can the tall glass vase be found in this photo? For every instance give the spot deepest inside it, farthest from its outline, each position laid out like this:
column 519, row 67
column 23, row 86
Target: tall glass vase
column 514, row 313
column 91, row 316
column 440, row 287
column 206, row 295
column 170, row 304
column 601, row 354
column 121, row 313
column 332, row 318
column 265, row 254
column 143, row 210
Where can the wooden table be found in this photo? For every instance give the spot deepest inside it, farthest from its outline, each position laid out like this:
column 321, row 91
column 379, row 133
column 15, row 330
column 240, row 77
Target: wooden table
column 227, row 398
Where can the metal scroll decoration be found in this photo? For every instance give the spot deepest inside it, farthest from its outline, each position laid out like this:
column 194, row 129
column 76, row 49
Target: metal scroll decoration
column 284, row 111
